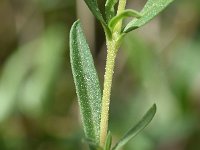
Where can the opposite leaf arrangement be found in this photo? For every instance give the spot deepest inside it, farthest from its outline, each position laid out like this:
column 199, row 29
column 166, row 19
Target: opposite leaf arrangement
column 94, row 107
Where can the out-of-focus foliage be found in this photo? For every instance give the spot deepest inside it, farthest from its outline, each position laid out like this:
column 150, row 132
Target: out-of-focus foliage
column 158, row 63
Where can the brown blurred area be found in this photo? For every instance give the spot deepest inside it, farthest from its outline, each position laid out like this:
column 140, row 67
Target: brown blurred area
column 159, row 63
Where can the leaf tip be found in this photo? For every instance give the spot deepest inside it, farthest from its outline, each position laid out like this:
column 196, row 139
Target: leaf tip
column 75, row 24
column 154, row 108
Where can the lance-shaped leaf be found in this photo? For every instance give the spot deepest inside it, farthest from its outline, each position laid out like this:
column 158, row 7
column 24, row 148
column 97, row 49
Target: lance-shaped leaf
column 137, row 128
column 94, row 8
column 150, row 10
column 124, row 14
column 110, row 10
column 86, row 82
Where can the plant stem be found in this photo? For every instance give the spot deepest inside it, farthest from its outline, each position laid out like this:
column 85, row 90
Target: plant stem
column 112, row 48
column 111, row 45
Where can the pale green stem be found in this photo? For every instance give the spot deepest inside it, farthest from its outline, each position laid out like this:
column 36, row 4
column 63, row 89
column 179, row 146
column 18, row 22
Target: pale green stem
column 112, row 48
column 107, row 90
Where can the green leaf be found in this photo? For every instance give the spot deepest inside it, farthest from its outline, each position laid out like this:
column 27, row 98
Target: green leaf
column 150, row 10
column 110, row 10
column 137, row 128
column 108, row 141
column 122, row 15
column 86, row 82
column 94, row 8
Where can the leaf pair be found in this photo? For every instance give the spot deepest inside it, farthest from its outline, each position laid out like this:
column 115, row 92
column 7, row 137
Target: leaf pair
column 150, row 10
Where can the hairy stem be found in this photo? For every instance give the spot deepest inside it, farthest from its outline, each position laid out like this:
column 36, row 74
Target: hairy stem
column 112, row 48
column 107, row 90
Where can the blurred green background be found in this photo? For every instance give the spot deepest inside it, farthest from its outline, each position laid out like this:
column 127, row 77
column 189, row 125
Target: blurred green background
column 158, row 63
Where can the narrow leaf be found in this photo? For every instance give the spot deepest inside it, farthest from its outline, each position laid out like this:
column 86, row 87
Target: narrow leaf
column 150, row 10
column 108, row 141
column 137, row 128
column 110, row 10
column 94, row 8
column 122, row 15
column 86, row 82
